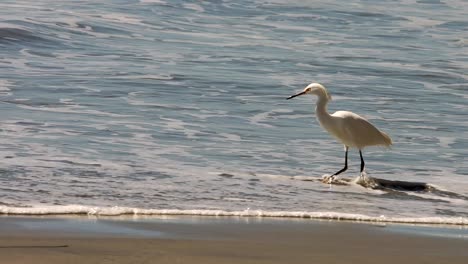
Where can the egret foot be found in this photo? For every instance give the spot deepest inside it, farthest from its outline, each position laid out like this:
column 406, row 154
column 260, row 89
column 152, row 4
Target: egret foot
column 363, row 177
column 329, row 179
column 366, row 181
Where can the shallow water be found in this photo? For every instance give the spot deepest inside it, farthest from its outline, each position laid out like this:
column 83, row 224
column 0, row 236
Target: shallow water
column 180, row 105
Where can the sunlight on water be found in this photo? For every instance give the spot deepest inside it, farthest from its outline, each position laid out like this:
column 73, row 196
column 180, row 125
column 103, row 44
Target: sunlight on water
column 180, row 105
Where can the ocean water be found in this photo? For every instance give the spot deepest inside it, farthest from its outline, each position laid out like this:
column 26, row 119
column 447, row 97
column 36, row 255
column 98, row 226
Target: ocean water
column 178, row 107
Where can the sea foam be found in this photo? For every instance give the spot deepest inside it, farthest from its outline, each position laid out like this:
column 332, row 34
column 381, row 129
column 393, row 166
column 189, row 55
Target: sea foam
column 123, row 211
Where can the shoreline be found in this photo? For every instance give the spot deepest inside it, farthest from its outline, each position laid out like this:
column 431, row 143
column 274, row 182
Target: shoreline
column 110, row 224
column 222, row 240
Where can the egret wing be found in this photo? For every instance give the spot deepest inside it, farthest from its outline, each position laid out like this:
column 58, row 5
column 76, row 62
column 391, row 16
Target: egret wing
column 358, row 132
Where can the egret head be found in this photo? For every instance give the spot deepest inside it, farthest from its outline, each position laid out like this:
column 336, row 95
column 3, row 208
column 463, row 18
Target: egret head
column 313, row 88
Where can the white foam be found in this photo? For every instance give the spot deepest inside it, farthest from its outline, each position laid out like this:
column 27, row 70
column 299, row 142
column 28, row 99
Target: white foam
column 194, row 7
column 73, row 109
column 5, row 87
column 445, row 142
column 261, row 118
column 231, row 137
column 437, row 197
column 153, row 1
column 119, row 211
column 122, row 18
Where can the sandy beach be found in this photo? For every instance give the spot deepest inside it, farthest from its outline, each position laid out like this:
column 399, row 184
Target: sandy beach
column 224, row 240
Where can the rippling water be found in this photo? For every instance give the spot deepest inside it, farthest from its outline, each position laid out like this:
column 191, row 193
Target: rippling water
column 157, row 104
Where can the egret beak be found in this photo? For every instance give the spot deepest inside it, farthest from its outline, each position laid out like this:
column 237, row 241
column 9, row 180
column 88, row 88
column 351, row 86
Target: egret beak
column 299, row 94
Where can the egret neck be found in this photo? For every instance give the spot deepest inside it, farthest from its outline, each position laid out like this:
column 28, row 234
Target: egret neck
column 321, row 111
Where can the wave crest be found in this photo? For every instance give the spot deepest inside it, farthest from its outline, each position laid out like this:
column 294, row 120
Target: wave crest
column 122, row 211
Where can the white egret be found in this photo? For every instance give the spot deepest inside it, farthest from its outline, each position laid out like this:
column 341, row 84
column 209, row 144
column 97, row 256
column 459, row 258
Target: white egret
column 349, row 128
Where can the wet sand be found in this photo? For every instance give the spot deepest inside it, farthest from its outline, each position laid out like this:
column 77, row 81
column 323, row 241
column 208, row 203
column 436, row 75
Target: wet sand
column 223, row 240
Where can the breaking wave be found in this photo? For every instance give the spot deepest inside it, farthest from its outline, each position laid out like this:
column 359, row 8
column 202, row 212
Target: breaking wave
column 127, row 211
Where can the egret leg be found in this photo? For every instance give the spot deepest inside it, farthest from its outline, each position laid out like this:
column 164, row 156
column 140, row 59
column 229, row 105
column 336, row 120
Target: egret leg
column 362, row 162
column 345, row 163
